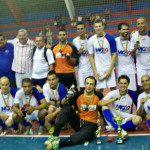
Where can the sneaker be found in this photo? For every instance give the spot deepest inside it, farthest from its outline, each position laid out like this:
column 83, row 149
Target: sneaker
column 51, row 130
column 50, row 140
column 28, row 130
column 109, row 128
column 55, row 144
column 4, row 131
column 124, row 134
column 41, row 130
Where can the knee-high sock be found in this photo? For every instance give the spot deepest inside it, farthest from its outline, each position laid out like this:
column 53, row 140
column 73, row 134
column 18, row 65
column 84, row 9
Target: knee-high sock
column 109, row 117
column 25, row 123
column 128, row 125
column 148, row 123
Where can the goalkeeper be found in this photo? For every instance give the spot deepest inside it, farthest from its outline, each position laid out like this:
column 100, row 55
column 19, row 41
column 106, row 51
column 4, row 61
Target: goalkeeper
column 84, row 123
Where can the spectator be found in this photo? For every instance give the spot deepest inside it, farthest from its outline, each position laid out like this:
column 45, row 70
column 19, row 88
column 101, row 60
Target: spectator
column 74, row 22
column 63, row 22
column 88, row 15
column 92, row 18
column 49, row 39
column 107, row 13
column 58, row 21
column 47, row 27
column 79, row 17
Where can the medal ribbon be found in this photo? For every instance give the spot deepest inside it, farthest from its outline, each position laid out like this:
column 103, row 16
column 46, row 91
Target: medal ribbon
column 6, row 103
column 101, row 46
column 29, row 99
column 125, row 49
column 82, row 45
column 53, row 95
column 60, row 47
column 85, row 99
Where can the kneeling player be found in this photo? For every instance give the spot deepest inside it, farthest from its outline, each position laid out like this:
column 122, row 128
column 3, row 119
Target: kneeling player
column 32, row 104
column 123, row 99
column 143, row 106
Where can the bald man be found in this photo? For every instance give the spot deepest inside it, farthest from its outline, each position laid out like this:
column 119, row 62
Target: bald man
column 7, row 95
column 143, row 106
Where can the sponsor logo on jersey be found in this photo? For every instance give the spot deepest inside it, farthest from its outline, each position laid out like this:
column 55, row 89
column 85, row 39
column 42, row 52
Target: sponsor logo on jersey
column 123, row 108
column 148, row 107
column 122, row 53
column 144, row 49
column 101, row 50
column 85, row 53
column 6, row 108
column 6, row 51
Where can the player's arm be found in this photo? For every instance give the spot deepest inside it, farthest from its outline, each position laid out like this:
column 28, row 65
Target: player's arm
column 51, row 67
column 17, row 110
column 104, row 102
column 140, row 110
column 113, row 60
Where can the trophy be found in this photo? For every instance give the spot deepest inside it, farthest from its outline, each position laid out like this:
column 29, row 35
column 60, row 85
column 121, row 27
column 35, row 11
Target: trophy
column 118, row 120
column 98, row 134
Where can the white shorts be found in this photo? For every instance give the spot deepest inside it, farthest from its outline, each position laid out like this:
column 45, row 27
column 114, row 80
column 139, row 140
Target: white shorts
column 110, row 82
column 82, row 75
column 133, row 80
column 33, row 116
column 140, row 73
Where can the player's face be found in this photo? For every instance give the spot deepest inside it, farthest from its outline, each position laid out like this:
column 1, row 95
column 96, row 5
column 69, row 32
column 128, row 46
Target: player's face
column 123, row 85
column 145, row 82
column 89, row 85
column 124, row 31
column 99, row 28
column 39, row 42
column 27, row 87
column 52, row 80
column 2, row 41
column 22, row 36
column 5, row 86
column 62, row 36
column 81, row 30
column 141, row 24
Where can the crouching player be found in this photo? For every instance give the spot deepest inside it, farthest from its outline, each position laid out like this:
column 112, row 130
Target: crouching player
column 28, row 106
column 54, row 93
column 84, row 123
column 7, row 96
column 123, row 99
column 143, row 106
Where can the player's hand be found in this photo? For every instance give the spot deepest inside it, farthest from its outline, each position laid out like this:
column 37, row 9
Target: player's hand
column 39, row 89
column 29, row 109
column 136, row 46
column 143, row 100
column 108, row 73
column 96, row 74
column 80, row 51
column 117, row 97
column 20, row 114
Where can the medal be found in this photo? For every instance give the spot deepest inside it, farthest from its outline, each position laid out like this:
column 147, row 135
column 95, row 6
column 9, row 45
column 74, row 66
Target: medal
column 86, row 109
column 60, row 51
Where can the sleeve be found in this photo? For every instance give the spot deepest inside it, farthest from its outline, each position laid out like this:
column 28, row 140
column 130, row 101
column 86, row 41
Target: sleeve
column 90, row 46
column 72, row 100
column 39, row 96
column 18, row 97
column 62, row 91
column 75, row 53
column 11, row 41
column 134, row 96
column 110, row 95
column 138, row 101
column 13, row 91
column 50, row 56
column 45, row 93
column 132, row 42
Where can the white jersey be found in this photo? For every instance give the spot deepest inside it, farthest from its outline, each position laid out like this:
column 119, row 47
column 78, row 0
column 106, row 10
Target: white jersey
column 126, row 63
column 35, row 99
column 146, row 105
column 142, row 53
column 40, row 65
column 22, row 62
column 84, row 62
column 102, row 56
column 4, row 97
column 126, row 101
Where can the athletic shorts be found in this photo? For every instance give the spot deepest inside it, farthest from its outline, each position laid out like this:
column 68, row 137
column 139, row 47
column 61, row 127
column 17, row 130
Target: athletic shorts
column 33, row 116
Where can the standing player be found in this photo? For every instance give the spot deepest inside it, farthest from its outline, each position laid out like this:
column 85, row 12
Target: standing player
column 143, row 106
column 28, row 106
column 140, row 46
column 103, row 54
column 54, row 93
column 126, row 65
column 7, row 96
column 123, row 99
column 66, row 57
column 80, row 43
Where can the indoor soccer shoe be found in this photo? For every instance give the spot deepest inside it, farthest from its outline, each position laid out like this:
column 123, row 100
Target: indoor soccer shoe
column 50, row 140
column 41, row 130
column 124, row 134
column 51, row 130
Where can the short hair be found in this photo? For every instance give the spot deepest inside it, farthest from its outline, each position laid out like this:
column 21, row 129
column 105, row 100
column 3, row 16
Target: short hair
column 51, row 73
column 81, row 23
column 2, row 35
column 91, row 77
column 122, row 24
column 41, row 37
column 23, row 30
column 142, row 18
column 124, row 77
column 62, row 30
column 99, row 21
column 26, row 80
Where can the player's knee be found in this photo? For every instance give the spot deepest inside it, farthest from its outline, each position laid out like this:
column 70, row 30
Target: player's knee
column 147, row 117
column 14, row 116
column 104, row 108
column 137, row 120
column 8, row 122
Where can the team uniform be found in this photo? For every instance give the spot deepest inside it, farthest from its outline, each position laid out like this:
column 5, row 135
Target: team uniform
column 41, row 66
column 146, row 106
column 102, row 57
column 142, row 54
column 65, row 71
column 85, row 68
column 7, row 108
column 59, row 93
column 85, row 122
column 126, row 62
column 34, row 100
column 124, row 104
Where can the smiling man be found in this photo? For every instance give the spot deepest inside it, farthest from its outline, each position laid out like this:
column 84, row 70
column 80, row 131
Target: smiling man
column 123, row 99
column 143, row 107
column 126, row 63
column 140, row 46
